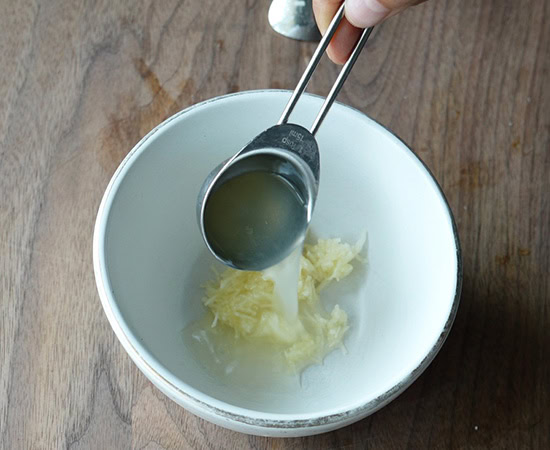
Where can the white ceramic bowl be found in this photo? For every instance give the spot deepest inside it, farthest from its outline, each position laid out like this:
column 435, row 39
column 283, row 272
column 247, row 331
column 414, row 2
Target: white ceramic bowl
column 149, row 262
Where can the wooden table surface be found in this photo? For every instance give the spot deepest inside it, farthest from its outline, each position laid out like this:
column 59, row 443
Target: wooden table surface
column 465, row 82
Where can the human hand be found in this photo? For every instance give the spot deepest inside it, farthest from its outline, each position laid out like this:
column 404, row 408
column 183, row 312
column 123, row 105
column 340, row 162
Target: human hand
column 359, row 14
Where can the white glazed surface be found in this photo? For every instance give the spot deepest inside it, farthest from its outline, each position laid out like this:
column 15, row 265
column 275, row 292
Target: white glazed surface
column 150, row 261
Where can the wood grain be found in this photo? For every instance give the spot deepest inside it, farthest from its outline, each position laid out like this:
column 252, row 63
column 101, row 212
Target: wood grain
column 465, row 83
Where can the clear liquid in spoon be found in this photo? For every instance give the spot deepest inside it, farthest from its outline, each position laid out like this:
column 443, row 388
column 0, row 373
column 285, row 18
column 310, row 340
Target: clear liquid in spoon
column 254, row 215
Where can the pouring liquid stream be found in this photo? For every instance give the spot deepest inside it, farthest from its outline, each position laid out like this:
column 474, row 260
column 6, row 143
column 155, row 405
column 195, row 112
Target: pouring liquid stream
column 253, row 213
column 285, row 276
column 256, row 330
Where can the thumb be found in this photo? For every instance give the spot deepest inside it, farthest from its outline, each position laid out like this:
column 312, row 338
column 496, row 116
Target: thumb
column 367, row 13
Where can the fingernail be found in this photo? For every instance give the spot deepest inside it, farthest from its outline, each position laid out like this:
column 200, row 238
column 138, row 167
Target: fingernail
column 365, row 13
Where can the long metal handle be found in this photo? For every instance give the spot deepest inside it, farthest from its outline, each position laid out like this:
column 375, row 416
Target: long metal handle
column 340, row 81
column 346, row 69
column 319, row 51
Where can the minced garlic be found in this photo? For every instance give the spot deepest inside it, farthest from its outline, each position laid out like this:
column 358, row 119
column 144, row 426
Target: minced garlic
column 246, row 312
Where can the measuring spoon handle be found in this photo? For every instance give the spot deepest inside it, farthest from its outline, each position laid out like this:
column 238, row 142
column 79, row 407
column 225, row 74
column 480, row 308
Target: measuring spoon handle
column 346, row 69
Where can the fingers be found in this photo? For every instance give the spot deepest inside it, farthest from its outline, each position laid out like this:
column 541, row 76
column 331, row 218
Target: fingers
column 359, row 14
column 346, row 35
column 324, row 11
column 343, row 42
column 367, row 13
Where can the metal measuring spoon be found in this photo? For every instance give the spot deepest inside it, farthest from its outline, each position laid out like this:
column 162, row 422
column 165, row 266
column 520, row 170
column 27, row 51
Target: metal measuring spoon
column 294, row 19
column 289, row 152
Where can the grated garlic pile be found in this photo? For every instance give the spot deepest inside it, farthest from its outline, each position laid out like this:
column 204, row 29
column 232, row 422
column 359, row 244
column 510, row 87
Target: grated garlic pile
column 244, row 304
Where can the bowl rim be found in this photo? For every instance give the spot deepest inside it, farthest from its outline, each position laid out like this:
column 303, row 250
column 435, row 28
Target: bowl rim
column 255, row 418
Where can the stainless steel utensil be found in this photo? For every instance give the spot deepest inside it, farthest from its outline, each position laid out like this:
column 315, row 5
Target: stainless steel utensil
column 294, row 19
column 287, row 150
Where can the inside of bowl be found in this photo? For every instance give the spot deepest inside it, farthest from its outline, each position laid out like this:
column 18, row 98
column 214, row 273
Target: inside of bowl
column 398, row 301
